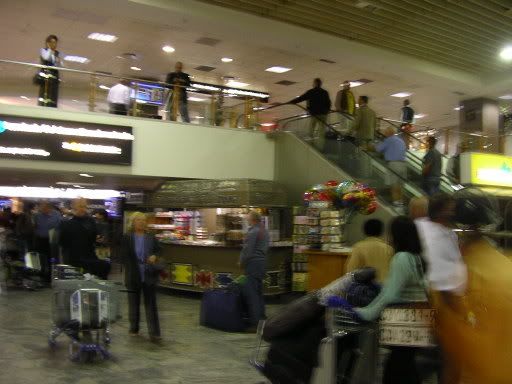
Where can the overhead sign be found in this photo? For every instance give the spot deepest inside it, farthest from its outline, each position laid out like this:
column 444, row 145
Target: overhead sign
column 490, row 170
column 59, row 140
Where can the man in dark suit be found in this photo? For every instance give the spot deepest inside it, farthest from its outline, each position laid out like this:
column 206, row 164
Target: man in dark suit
column 78, row 241
column 178, row 82
column 142, row 271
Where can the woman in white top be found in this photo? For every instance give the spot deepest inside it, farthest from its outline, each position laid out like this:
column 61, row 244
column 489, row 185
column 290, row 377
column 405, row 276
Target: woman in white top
column 48, row 79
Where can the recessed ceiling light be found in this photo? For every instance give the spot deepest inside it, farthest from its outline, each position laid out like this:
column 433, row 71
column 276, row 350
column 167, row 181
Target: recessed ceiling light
column 192, row 98
column 199, row 117
column 458, row 108
column 85, row 175
column 102, row 37
column 401, row 94
column 354, row 84
column 506, row 97
column 234, row 83
column 24, row 97
column 74, row 101
column 506, row 53
column 226, row 59
column 268, row 124
column 104, row 87
column 135, row 69
column 168, row 49
column 76, row 59
column 419, row 116
column 278, row 69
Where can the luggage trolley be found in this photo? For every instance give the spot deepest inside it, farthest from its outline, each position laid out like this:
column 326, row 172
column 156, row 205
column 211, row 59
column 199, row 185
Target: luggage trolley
column 83, row 316
column 350, row 350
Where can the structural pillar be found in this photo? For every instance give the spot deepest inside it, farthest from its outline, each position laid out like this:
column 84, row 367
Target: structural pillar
column 480, row 124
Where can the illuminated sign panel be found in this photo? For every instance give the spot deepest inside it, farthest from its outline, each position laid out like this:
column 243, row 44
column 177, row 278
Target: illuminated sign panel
column 491, row 170
column 59, row 140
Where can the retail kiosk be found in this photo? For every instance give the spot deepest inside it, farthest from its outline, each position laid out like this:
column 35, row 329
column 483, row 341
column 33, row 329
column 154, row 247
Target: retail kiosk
column 201, row 225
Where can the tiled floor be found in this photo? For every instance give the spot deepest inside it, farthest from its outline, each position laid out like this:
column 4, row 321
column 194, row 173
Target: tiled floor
column 190, row 353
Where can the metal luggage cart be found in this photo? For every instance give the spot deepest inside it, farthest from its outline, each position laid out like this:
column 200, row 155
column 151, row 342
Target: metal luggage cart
column 257, row 359
column 84, row 320
column 350, row 350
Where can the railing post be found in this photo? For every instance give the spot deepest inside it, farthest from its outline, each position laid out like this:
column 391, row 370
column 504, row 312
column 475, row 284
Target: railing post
column 176, row 94
column 134, row 110
column 446, row 141
column 213, row 112
column 92, row 92
column 247, row 113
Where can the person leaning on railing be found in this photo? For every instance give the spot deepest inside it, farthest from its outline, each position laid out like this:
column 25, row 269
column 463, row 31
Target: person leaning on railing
column 318, row 106
column 48, row 79
column 178, row 81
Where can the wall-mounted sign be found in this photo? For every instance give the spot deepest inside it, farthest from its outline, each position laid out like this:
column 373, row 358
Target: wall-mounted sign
column 59, row 140
column 488, row 169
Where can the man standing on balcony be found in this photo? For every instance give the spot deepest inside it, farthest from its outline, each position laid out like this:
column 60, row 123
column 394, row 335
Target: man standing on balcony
column 394, row 151
column 432, row 164
column 119, row 98
column 365, row 123
column 318, row 106
column 178, row 82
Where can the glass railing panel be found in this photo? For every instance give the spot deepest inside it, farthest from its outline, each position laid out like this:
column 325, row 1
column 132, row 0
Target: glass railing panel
column 365, row 167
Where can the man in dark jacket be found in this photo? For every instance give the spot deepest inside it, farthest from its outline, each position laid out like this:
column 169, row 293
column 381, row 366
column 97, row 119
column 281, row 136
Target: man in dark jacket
column 178, row 82
column 318, row 106
column 78, row 239
column 432, row 165
column 253, row 260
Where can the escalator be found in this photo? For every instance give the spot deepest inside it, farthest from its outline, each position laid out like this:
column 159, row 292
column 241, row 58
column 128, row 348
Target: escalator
column 362, row 165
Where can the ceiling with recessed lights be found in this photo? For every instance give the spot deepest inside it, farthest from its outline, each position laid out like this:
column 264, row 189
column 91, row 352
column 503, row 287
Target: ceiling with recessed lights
column 462, row 34
column 222, row 45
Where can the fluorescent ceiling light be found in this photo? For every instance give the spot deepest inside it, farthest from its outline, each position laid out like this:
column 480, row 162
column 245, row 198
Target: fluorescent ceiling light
column 506, row 53
column 63, row 131
column 354, row 84
column 85, row 175
column 168, row 49
column 57, row 193
column 24, row 151
column 419, row 116
column 506, row 97
column 234, row 83
column 278, row 69
column 104, row 87
column 192, row 98
column 24, row 97
column 401, row 94
column 76, row 59
column 226, row 59
column 74, row 101
column 102, row 37
column 91, row 148
column 135, row 69
column 199, row 117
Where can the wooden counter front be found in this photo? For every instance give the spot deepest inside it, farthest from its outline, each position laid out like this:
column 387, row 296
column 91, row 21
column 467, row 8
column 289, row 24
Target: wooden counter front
column 325, row 267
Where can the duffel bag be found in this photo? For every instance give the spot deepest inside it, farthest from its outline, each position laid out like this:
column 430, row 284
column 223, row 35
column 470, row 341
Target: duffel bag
column 223, row 309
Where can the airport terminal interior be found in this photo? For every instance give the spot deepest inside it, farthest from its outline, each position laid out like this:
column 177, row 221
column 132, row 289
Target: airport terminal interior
column 257, row 192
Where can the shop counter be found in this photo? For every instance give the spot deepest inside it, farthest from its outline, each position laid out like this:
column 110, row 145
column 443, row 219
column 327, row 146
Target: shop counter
column 196, row 267
column 325, row 267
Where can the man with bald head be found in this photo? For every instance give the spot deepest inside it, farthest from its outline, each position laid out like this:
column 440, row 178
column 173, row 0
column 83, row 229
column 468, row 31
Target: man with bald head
column 178, row 81
column 78, row 238
column 418, row 208
column 394, row 151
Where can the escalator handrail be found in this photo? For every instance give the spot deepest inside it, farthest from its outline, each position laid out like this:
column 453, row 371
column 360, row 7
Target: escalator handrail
column 363, row 151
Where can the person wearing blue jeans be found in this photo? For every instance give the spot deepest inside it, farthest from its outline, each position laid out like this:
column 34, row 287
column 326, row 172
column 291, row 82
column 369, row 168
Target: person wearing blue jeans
column 253, row 261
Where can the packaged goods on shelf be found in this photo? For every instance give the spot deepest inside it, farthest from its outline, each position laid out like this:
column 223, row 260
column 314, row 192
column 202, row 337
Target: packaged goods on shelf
column 299, row 281
column 330, row 214
column 301, row 220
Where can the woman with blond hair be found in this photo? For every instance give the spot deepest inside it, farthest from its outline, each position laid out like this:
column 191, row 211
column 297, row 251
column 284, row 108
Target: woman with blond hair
column 139, row 254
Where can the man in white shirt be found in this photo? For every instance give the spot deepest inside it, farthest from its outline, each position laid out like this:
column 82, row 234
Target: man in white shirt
column 119, row 98
column 446, row 270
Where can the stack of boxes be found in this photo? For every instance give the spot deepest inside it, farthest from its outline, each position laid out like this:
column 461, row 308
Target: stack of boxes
column 320, row 228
